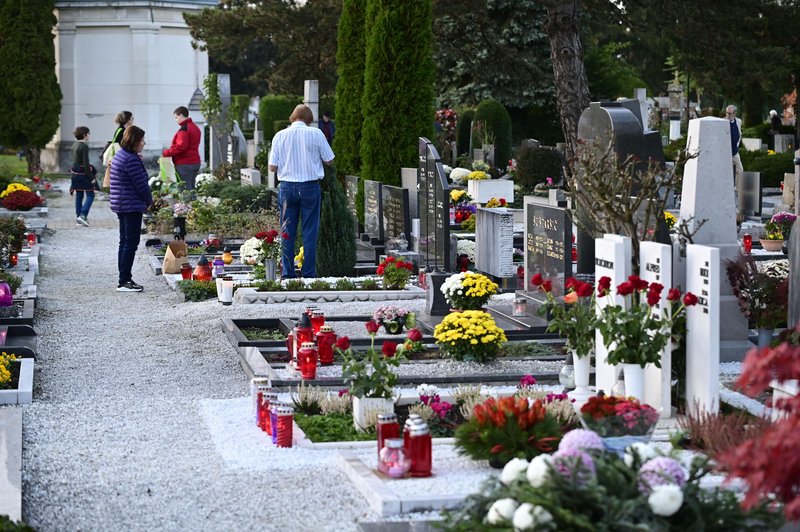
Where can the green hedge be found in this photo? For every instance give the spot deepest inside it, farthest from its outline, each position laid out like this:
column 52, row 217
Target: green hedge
column 463, row 128
column 535, row 165
column 761, row 131
column 246, row 199
column 498, row 123
column 772, row 167
column 242, row 101
column 276, row 107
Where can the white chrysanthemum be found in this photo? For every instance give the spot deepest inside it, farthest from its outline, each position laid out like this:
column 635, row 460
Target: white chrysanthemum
column 513, row 470
column 457, row 175
column 428, row 390
column 541, row 516
column 250, row 252
column 466, row 247
column 203, row 178
column 528, row 517
column 644, row 450
column 501, row 510
column 666, row 499
column 539, row 470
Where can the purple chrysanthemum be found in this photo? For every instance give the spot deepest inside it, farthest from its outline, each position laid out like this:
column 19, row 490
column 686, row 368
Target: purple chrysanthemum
column 574, row 464
column 659, row 471
column 581, row 440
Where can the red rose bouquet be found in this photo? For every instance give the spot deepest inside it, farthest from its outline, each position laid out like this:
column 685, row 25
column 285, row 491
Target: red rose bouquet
column 395, row 273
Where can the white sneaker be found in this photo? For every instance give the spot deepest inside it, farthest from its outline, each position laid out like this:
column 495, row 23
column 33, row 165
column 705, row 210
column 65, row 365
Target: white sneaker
column 82, row 221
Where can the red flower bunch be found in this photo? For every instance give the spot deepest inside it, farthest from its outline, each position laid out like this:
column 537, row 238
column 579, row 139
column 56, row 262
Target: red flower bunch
column 575, row 318
column 618, row 416
column 270, row 244
column 447, row 118
column 395, row 273
column 413, row 343
column 21, row 200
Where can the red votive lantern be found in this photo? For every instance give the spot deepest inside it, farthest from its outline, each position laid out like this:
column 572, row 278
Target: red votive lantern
column 257, row 384
column 410, row 421
column 267, row 399
column 317, row 320
column 387, row 428
column 202, row 272
column 186, row 271
column 420, row 450
column 310, row 310
column 13, row 259
column 273, row 420
column 325, row 340
column 285, row 420
column 32, row 238
column 6, row 295
column 302, row 333
column 392, row 460
column 307, row 360
column 747, row 243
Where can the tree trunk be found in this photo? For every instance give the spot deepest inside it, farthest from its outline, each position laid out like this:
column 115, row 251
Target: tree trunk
column 566, row 52
column 34, row 158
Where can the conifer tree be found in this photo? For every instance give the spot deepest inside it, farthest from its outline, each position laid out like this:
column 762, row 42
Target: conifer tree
column 336, row 245
column 30, row 97
column 398, row 87
column 350, row 59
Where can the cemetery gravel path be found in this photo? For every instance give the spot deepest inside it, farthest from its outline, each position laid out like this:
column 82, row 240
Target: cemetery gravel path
column 115, row 438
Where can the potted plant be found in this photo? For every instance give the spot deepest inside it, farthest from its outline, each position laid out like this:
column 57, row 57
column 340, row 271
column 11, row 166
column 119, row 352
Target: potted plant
column 620, row 421
column 468, row 290
column 471, row 336
column 395, row 273
column 762, row 290
column 772, row 238
column 394, row 318
column 634, row 332
column 18, row 197
column 370, row 377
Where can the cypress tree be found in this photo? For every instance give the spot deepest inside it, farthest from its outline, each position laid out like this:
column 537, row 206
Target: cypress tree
column 350, row 59
column 336, row 245
column 498, row 123
column 398, row 87
column 30, row 97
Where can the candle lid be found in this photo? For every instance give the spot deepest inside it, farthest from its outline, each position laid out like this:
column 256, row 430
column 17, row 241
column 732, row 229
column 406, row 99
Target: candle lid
column 393, row 443
column 307, row 345
column 317, row 312
column 326, row 328
column 285, row 410
column 272, row 396
column 387, row 418
column 259, row 380
column 420, row 429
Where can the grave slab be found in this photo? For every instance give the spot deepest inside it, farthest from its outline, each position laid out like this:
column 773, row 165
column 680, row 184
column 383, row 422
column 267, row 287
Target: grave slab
column 248, row 296
column 11, row 463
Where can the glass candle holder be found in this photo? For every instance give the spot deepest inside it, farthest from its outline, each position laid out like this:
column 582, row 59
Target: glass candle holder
column 410, row 421
column 257, row 384
column 186, row 271
column 520, row 306
column 227, row 256
column 420, row 451
column 387, row 428
column 747, row 243
column 6, row 295
column 226, row 294
column 267, row 399
column 32, row 238
column 13, row 259
column 392, row 460
column 307, row 360
column 317, row 320
column 285, row 420
column 326, row 338
column 273, row 420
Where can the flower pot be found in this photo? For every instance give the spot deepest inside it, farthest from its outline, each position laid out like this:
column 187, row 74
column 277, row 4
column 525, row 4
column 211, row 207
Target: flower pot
column 393, row 326
column 362, row 406
column 634, row 380
column 764, row 337
column 771, row 245
column 270, row 270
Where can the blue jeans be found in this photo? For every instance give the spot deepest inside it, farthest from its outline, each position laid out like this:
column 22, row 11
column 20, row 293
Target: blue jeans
column 82, row 207
column 300, row 200
column 130, row 230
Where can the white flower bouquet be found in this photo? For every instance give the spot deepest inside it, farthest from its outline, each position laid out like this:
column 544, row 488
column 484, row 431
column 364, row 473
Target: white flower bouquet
column 251, row 252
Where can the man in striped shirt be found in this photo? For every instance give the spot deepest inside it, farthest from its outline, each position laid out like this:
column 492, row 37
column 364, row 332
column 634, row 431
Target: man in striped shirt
column 297, row 156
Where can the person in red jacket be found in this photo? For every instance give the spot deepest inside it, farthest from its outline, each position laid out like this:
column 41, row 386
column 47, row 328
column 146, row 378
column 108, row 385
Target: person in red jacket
column 185, row 148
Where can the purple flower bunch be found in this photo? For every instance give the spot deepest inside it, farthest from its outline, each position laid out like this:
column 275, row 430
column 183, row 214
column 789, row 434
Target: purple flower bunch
column 553, row 397
column 442, row 408
column 526, row 381
column 660, row 471
column 574, row 464
column 581, row 440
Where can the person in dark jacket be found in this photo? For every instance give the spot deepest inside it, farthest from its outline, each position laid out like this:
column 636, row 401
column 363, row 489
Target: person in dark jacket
column 84, row 177
column 129, row 197
column 185, row 149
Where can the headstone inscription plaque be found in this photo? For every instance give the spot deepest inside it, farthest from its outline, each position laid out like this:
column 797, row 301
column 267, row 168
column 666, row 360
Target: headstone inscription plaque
column 373, row 211
column 548, row 246
column 494, row 242
column 396, row 217
column 434, row 209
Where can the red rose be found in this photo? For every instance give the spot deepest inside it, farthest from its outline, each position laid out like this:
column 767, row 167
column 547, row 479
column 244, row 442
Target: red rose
column 656, row 287
column 372, row 326
column 689, row 299
column 380, row 270
column 653, row 298
column 390, row 259
column 408, row 266
column 637, row 282
column 285, row 235
column 262, row 235
column 537, row 280
column 603, row 285
column 415, row 335
column 571, row 283
column 547, row 286
column 272, row 233
column 269, row 239
column 389, row 349
column 625, row 289
column 674, row 294
column 503, row 202
column 343, row 343
column 584, row 290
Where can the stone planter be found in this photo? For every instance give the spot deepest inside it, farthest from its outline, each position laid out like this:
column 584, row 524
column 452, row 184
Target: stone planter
column 485, row 189
column 23, row 394
column 771, row 245
column 362, row 406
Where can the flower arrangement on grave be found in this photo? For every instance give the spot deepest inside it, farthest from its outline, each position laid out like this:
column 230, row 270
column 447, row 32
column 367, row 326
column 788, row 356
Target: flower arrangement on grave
column 468, row 225
column 633, row 332
column 770, row 463
column 670, row 219
column 413, row 343
column 511, row 427
column 181, row 209
column 480, row 166
column 12, row 234
column 495, row 203
column 458, row 175
column 370, row 375
column 300, row 258
column 611, row 416
column 477, row 175
column 511, row 169
column 13, row 187
column 394, row 318
column 211, row 244
column 18, row 197
column 447, row 118
column 442, row 417
column 466, row 247
column 5, row 369
column 395, row 273
column 574, row 317
column 779, row 226
column 580, row 487
column 471, row 336
column 542, row 189
column 468, row 290
column 762, row 289
column 465, row 211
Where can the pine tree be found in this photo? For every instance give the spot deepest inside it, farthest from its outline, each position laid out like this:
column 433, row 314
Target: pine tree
column 398, row 87
column 350, row 59
column 30, row 97
column 336, row 245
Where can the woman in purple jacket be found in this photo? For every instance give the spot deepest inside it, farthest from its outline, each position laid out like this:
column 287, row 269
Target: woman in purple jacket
column 130, row 197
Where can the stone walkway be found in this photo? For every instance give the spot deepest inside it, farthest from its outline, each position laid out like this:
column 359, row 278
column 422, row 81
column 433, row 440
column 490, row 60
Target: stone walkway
column 116, row 438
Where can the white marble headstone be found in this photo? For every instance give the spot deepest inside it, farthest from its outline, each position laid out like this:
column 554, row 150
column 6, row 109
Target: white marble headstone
column 611, row 260
column 655, row 266
column 702, row 328
column 250, row 176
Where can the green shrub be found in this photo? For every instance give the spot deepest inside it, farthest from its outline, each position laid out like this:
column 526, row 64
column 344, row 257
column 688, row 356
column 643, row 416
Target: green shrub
column 350, row 59
column 319, row 285
column 332, row 427
column 345, row 285
column 14, row 281
column 535, row 165
column 761, row 131
column 360, row 203
column 336, row 248
column 295, row 285
column 269, row 286
column 277, row 125
column 498, row 124
column 772, row 167
column 463, row 128
column 370, row 284
column 243, row 199
column 241, row 102
column 675, row 147
column 198, row 290
column 276, row 107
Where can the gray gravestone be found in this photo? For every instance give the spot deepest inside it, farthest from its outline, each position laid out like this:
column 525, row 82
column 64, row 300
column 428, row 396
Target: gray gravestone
column 408, row 178
column 783, row 143
column 351, row 191
column 708, row 195
column 373, row 211
column 219, row 145
column 249, row 177
column 494, row 242
column 749, row 194
column 395, row 209
column 702, row 328
column 794, row 275
column 548, row 246
column 433, row 202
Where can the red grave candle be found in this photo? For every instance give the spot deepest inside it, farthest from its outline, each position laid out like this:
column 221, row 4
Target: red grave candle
column 307, row 360
column 285, row 419
column 326, row 338
column 388, row 428
column 266, row 407
column 747, row 243
column 420, row 451
column 317, row 320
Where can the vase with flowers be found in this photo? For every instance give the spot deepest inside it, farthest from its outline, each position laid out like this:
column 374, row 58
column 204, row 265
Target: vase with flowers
column 394, row 318
column 263, row 251
column 370, row 378
column 575, row 319
column 637, row 331
column 762, row 290
column 468, row 290
column 395, row 273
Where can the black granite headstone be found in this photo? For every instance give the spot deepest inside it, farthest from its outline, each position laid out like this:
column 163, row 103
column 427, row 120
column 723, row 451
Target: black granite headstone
column 396, row 216
column 548, row 246
column 435, row 302
column 434, row 209
column 373, row 210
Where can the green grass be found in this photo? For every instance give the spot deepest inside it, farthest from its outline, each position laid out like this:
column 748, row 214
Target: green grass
column 11, row 166
column 333, row 427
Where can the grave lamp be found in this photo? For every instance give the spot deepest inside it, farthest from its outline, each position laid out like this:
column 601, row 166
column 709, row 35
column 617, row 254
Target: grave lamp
column 202, row 271
column 226, row 293
column 6, row 295
column 567, row 374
